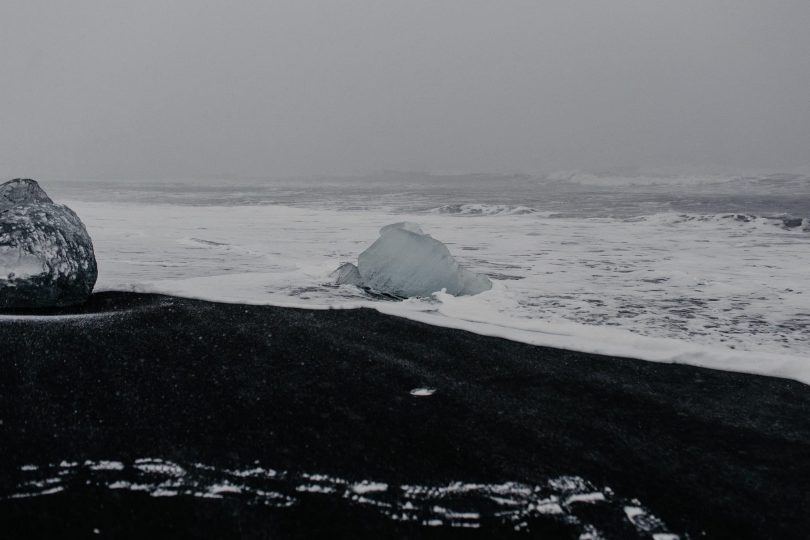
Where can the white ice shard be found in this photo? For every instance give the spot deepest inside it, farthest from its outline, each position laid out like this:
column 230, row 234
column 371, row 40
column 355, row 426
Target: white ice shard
column 406, row 262
column 347, row 274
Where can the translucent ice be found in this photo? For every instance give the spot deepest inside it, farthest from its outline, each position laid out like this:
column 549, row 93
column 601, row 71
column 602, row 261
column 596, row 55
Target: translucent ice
column 406, row 262
column 347, row 274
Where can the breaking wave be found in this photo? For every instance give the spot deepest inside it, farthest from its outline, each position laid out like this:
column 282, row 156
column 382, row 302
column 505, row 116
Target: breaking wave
column 783, row 221
column 483, row 210
column 720, row 290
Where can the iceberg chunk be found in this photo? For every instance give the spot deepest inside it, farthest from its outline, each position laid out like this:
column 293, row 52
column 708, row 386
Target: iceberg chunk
column 406, row 262
column 405, row 226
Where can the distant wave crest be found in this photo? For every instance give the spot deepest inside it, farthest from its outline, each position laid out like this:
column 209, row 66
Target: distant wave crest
column 483, row 210
column 783, row 221
column 765, row 183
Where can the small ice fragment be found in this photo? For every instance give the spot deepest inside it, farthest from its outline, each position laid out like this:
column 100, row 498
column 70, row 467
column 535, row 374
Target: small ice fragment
column 633, row 511
column 105, row 465
column 464, row 515
column 546, row 507
column 159, row 466
column 315, row 488
column 51, row 491
column 585, row 498
column 224, row 488
column 163, row 493
column 255, row 472
column 347, row 274
column 369, row 487
column 423, row 392
column 590, row 533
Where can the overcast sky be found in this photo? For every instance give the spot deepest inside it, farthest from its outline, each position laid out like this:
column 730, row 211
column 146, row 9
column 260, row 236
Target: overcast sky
column 161, row 88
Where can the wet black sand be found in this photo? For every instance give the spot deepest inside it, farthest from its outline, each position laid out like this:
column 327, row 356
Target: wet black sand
column 713, row 454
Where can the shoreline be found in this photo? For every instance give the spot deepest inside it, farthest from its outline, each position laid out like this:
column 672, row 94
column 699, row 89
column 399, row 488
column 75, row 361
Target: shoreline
column 329, row 393
column 455, row 313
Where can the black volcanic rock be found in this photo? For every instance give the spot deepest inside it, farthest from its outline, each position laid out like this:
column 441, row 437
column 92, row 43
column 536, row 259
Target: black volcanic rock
column 46, row 255
column 792, row 222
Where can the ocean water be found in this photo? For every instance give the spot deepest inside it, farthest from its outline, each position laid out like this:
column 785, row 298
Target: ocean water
column 704, row 270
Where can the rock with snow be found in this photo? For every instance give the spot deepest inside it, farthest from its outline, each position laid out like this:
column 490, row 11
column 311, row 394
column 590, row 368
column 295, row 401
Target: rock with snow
column 21, row 191
column 46, row 255
column 406, row 262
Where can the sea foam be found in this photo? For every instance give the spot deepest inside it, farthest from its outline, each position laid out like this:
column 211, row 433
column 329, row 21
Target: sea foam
column 705, row 290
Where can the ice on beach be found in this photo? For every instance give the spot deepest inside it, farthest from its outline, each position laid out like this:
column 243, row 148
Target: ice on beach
column 406, row 262
column 688, row 280
column 347, row 274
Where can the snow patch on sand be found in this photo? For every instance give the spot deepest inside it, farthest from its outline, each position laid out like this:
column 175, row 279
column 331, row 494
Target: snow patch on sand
column 513, row 505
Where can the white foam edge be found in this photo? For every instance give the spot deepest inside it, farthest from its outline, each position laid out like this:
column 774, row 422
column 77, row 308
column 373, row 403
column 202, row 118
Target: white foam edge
column 459, row 313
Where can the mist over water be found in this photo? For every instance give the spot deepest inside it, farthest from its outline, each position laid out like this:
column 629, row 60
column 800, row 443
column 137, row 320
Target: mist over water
column 561, row 194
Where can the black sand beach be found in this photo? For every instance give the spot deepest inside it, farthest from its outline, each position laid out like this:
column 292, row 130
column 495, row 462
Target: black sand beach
column 325, row 397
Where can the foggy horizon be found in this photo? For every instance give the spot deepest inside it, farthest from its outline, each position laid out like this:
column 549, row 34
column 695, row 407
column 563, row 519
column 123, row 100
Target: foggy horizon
column 185, row 90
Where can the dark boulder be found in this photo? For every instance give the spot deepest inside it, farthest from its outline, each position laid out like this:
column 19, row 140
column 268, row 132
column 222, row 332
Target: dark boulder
column 46, row 255
column 21, row 191
column 792, row 222
column 744, row 218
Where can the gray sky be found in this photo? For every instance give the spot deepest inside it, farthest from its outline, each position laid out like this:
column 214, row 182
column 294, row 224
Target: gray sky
column 161, row 88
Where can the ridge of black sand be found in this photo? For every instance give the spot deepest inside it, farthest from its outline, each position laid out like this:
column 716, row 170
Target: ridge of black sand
column 713, row 454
